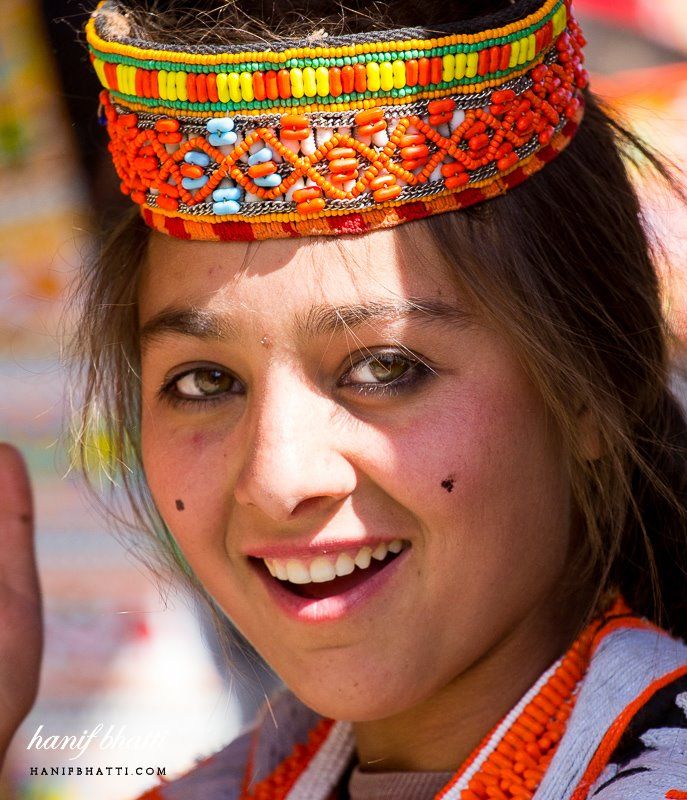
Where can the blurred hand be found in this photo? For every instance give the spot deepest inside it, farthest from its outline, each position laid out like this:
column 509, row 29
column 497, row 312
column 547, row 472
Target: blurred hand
column 21, row 629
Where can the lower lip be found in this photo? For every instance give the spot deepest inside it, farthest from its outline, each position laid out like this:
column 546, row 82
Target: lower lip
column 329, row 609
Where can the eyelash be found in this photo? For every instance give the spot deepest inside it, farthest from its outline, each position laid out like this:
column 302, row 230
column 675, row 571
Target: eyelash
column 416, row 373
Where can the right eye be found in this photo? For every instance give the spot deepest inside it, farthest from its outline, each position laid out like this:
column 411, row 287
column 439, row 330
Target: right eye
column 202, row 384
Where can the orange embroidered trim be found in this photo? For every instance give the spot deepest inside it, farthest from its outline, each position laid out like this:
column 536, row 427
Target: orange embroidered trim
column 277, row 785
column 340, row 224
column 153, row 794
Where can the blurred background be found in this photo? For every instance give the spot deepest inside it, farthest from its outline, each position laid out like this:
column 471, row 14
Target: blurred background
column 122, row 651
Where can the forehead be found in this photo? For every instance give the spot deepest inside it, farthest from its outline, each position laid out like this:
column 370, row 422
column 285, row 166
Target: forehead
column 277, row 276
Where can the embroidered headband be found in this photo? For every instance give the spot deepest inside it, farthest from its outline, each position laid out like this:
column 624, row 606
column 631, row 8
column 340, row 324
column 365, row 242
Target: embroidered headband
column 367, row 131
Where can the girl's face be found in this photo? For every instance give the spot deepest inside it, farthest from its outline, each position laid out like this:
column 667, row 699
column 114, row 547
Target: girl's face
column 310, row 408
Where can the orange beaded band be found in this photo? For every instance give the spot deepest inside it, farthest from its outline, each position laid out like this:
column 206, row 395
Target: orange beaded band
column 234, row 145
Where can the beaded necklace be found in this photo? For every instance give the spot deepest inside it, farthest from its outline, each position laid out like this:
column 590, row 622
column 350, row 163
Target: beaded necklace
column 508, row 764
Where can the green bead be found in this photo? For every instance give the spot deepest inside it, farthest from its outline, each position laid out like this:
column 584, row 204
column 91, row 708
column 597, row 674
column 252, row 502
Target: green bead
column 347, row 61
column 394, row 92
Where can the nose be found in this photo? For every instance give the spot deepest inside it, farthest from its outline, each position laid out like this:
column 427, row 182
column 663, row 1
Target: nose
column 294, row 460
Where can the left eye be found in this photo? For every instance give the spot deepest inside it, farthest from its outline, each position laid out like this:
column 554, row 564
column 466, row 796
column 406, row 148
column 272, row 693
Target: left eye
column 380, row 368
column 204, row 382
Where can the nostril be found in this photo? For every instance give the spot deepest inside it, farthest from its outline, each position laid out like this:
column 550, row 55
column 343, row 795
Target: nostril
column 308, row 506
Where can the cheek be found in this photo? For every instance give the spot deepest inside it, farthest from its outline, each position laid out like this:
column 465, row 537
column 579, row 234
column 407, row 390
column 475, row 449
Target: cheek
column 186, row 473
column 484, row 471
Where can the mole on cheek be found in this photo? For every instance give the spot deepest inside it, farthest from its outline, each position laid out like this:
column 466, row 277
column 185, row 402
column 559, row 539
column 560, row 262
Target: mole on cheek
column 447, row 484
column 180, row 505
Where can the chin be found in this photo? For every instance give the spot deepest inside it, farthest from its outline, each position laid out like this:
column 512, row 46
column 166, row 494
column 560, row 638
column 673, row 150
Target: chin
column 357, row 696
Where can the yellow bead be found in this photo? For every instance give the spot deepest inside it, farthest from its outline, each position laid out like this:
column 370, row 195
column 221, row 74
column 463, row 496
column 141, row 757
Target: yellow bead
column 386, row 76
column 461, row 63
column 162, row 84
column 524, row 47
column 223, row 88
column 399, row 69
column 531, row 47
column 171, row 86
column 296, row 82
column 514, row 53
column 322, row 78
column 448, row 68
column 560, row 20
column 473, row 61
column 309, row 82
column 120, row 78
column 234, row 84
column 246, row 84
column 373, row 78
column 99, row 67
column 181, row 86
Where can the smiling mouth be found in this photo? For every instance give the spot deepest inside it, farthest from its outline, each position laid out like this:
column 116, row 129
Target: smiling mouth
column 330, row 575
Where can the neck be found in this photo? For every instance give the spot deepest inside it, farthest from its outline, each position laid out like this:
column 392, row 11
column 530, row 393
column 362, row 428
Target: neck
column 439, row 734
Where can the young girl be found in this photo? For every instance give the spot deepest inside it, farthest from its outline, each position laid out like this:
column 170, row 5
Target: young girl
column 433, row 472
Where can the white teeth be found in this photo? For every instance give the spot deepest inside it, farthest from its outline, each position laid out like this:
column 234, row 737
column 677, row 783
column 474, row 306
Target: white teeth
column 270, row 566
column 325, row 568
column 322, row 570
column 297, row 572
column 344, row 564
column 280, row 569
column 364, row 557
column 380, row 551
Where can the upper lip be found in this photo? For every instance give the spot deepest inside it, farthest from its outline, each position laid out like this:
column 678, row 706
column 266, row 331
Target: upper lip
column 315, row 548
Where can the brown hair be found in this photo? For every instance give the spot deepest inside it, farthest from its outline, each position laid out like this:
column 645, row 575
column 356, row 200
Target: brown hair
column 562, row 266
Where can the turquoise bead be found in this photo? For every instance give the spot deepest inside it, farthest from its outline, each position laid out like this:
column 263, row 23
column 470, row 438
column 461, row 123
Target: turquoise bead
column 268, row 181
column 260, row 156
column 226, row 207
column 220, row 125
column 227, row 193
column 219, row 139
column 194, row 183
column 197, row 157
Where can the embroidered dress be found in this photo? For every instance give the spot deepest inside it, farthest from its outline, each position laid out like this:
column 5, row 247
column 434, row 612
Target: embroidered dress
column 623, row 736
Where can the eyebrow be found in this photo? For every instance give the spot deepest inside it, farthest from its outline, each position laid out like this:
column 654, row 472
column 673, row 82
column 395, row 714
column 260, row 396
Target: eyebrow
column 320, row 320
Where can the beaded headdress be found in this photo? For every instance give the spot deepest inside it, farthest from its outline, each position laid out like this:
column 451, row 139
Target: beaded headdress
column 359, row 132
